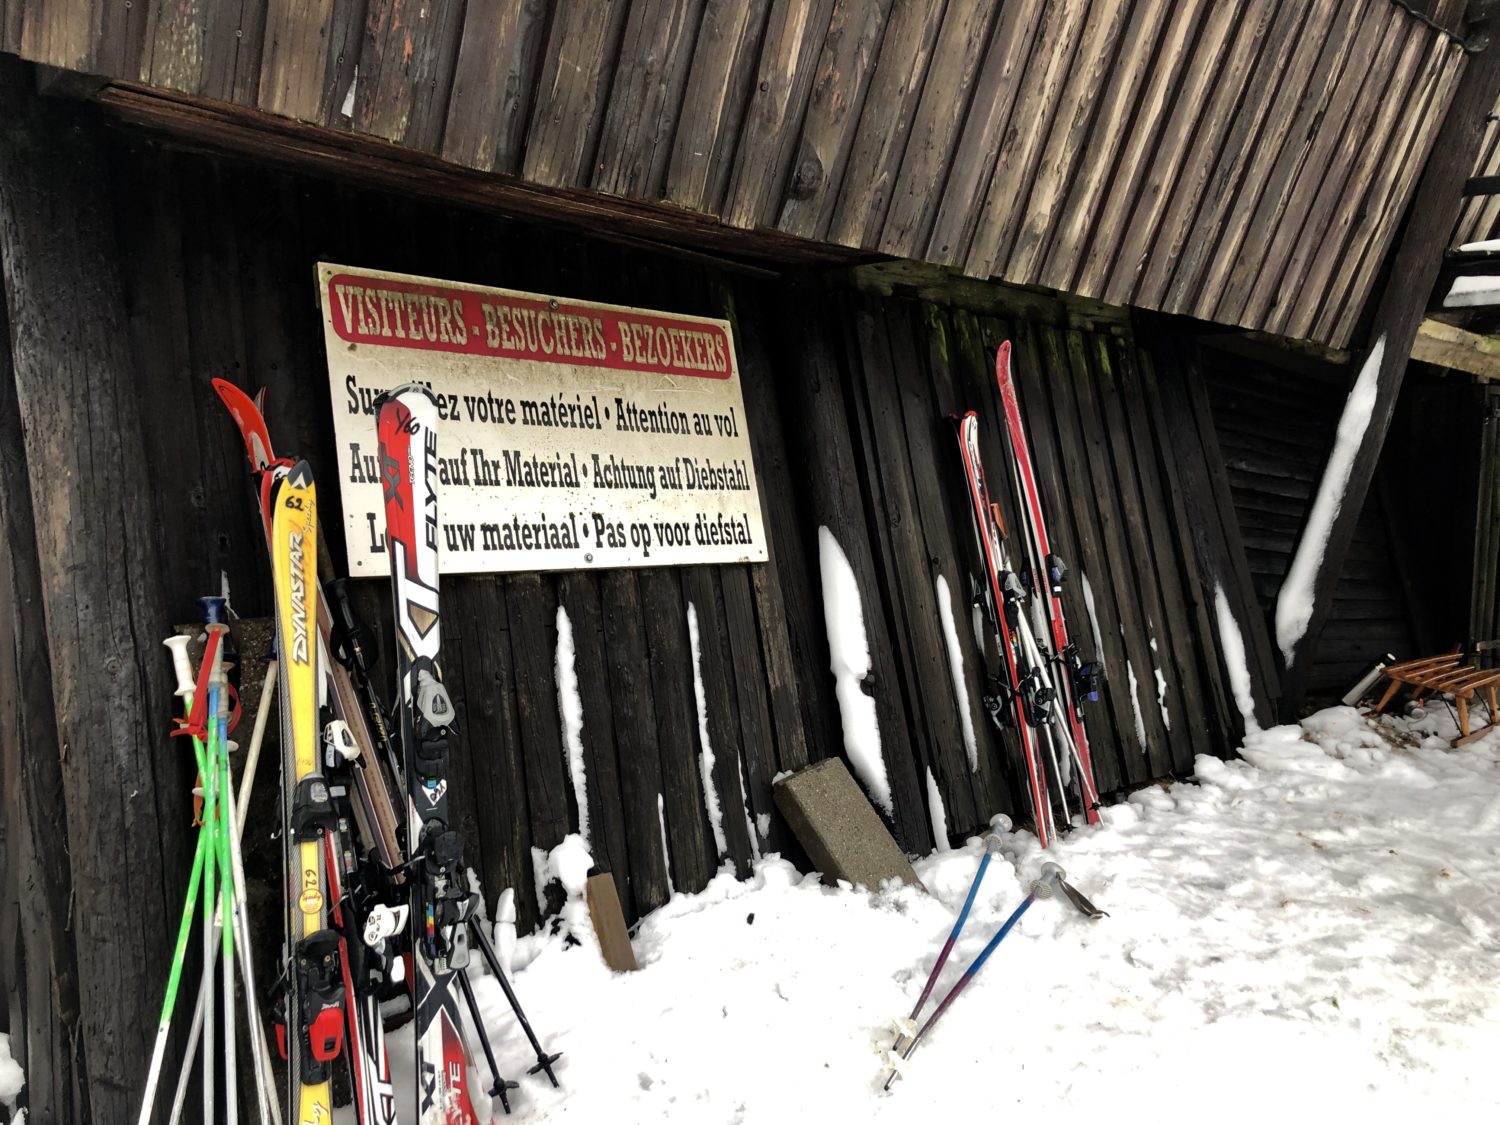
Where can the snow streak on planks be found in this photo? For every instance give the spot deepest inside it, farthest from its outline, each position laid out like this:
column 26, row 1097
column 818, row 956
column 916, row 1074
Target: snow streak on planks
column 1126, row 150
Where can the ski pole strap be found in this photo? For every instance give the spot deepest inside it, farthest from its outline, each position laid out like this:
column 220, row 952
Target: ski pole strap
column 196, row 724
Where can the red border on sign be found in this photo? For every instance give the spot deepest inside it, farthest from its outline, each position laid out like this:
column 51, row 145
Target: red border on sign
column 406, row 314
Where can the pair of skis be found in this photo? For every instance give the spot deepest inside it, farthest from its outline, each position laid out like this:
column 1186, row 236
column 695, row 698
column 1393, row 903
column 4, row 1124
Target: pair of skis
column 1043, row 688
column 339, row 969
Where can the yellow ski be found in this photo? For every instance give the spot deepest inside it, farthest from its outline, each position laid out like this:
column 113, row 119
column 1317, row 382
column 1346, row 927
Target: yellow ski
column 314, row 981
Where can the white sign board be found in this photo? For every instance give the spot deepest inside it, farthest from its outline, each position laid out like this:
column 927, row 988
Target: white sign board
column 573, row 435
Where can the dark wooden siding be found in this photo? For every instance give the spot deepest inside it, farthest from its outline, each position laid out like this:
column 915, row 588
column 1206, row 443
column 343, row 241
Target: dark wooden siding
column 1244, row 161
column 848, row 388
column 1275, row 429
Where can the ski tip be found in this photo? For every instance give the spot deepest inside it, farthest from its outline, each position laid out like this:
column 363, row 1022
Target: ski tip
column 300, row 475
column 1002, row 356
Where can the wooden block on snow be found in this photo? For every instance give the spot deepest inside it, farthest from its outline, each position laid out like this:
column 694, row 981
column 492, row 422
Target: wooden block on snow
column 840, row 830
column 609, row 923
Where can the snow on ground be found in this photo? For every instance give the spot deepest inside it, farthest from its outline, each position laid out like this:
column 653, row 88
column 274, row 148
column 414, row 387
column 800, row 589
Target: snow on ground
column 1311, row 931
column 11, row 1078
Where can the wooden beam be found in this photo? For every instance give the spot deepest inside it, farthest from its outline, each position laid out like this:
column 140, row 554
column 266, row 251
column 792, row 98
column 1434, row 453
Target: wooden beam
column 1398, row 315
column 1445, row 345
column 99, row 580
column 38, row 956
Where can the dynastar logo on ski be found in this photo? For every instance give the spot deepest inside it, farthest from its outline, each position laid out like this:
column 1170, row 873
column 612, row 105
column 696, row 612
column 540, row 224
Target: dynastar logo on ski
column 295, row 549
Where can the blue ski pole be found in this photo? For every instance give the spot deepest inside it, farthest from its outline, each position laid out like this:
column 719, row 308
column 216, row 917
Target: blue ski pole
column 1041, row 888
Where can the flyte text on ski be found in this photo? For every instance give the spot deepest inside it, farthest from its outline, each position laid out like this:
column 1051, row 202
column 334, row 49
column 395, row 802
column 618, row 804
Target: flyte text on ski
column 575, row 435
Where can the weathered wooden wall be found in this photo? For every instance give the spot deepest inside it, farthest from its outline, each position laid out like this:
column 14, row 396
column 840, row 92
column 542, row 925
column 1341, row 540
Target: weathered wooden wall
column 1243, row 161
column 849, row 378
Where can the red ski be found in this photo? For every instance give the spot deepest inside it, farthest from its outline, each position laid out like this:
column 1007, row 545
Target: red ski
column 1048, row 571
column 988, row 533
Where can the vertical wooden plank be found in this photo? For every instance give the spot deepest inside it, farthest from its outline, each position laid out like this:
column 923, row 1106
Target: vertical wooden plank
column 578, row 594
column 1211, row 507
column 834, row 104
column 929, row 399
column 406, row 67
column 1182, row 159
column 1150, row 58
column 940, row 116
column 943, row 356
column 1121, row 627
column 1282, row 140
column 1224, row 145
column 531, row 607
column 787, row 600
column 714, row 672
column 1070, row 527
column 819, row 432
column 1066, row 146
column 1016, row 161
column 40, row 956
column 882, row 336
column 671, row 661
column 494, row 80
column 718, row 89
column 640, row 764
column 885, row 123
column 757, row 736
column 577, row 69
column 1168, row 688
column 1257, row 295
column 1194, row 571
column 636, row 140
column 96, row 526
column 491, row 737
column 783, row 80
column 1350, row 298
column 978, row 142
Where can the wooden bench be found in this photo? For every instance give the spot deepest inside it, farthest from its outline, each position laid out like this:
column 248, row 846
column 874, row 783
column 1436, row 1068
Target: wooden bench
column 1447, row 675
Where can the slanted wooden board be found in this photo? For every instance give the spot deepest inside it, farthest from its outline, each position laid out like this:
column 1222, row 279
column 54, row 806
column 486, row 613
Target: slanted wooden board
column 609, row 923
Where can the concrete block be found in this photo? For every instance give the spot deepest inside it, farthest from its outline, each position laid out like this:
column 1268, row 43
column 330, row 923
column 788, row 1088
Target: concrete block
column 839, row 828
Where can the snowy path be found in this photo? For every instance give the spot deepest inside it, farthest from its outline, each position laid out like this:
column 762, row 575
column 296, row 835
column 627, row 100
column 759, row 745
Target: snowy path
column 1312, row 930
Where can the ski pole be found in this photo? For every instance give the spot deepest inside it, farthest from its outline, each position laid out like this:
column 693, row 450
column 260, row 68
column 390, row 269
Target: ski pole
column 500, row 1087
column 218, row 731
column 1041, row 887
column 992, row 847
column 179, row 956
column 544, row 1061
column 183, row 667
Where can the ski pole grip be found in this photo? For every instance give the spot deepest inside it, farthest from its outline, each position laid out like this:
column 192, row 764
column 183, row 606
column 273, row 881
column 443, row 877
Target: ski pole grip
column 1047, row 881
column 215, row 609
column 181, row 665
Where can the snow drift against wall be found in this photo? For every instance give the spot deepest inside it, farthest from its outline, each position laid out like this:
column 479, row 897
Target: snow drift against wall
column 1294, row 605
column 849, row 657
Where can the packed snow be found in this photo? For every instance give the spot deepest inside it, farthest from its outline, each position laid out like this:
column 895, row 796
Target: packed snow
column 570, row 711
column 11, row 1078
column 956, row 670
column 1294, row 602
column 849, row 658
column 711, row 803
column 1310, row 933
column 1232, row 645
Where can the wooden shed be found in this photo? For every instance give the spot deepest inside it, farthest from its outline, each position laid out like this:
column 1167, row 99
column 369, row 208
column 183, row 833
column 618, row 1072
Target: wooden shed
column 1195, row 221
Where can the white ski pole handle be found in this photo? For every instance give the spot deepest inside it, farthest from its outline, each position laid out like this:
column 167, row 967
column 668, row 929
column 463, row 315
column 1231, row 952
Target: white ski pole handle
column 181, row 664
